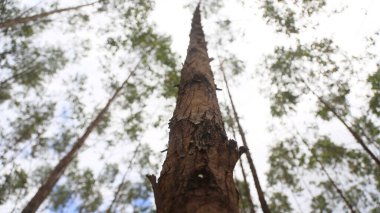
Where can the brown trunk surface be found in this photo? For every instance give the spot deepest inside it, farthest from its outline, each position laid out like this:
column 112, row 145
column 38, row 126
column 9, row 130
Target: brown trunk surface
column 59, row 169
column 197, row 172
column 23, row 20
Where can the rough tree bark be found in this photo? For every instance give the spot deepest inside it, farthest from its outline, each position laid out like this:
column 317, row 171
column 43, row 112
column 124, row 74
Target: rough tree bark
column 260, row 192
column 197, row 173
column 59, row 169
column 23, row 20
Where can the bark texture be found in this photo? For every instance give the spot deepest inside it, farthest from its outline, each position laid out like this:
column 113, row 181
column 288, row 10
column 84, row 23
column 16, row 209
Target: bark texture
column 197, row 172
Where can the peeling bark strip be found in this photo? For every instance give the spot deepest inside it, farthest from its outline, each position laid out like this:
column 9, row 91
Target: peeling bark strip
column 197, row 173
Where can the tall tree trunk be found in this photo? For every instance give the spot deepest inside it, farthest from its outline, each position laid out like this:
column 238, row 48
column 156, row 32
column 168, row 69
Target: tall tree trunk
column 197, row 175
column 59, row 169
column 336, row 187
column 23, row 20
column 260, row 192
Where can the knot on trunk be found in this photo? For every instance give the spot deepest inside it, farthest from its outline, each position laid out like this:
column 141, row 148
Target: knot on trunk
column 242, row 150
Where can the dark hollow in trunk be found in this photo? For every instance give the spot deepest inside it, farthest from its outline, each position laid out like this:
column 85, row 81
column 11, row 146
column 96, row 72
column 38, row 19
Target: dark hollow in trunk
column 197, row 175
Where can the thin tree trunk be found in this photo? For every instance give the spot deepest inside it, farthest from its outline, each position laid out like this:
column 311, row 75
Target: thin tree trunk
column 351, row 130
column 348, row 127
column 260, row 192
column 122, row 183
column 197, row 175
column 23, row 20
column 247, row 189
column 59, row 169
column 336, row 187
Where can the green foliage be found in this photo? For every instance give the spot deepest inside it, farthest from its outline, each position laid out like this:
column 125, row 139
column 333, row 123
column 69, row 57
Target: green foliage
column 104, row 123
column 132, row 125
column 32, row 123
column 338, row 101
column 28, row 67
column 60, row 197
column 244, row 200
column 282, row 103
column 374, row 103
column 327, row 152
column 285, row 15
column 279, row 203
column 359, row 163
column 319, row 205
column 233, row 64
column 285, row 158
column 109, row 174
column 11, row 183
column 80, row 186
column 294, row 71
column 33, row 79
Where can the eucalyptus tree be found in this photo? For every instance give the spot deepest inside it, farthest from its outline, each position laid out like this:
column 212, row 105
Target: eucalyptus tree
column 311, row 69
column 57, row 127
column 327, row 172
column 227, row 62
column 327, row 79
column 26, row 115
column 59, row 169
column 197, row 174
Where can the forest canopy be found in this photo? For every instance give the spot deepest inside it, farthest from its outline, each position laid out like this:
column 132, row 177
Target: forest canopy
column 87, row 89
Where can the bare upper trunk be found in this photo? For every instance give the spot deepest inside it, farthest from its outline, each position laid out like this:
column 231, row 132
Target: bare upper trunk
column 197, row 172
